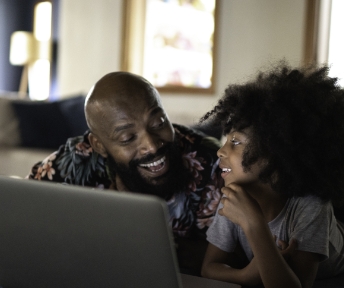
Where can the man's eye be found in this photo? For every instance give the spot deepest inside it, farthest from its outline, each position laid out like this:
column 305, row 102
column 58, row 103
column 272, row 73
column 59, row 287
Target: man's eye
column 127, row 140
column 160, row 123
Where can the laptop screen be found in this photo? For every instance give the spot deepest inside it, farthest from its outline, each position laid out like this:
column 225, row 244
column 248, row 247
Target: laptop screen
column 54, row 235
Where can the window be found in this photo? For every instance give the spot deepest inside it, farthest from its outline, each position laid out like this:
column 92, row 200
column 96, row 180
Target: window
column 171, row 43
column 324, row 36
column 336, row 41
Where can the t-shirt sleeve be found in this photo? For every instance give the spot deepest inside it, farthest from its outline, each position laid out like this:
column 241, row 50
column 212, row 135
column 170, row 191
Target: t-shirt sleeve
column 222, row 233
column 311, row 226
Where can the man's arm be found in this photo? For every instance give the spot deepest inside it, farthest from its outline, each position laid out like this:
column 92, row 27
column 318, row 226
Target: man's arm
column 45, row 169
column 74, row 163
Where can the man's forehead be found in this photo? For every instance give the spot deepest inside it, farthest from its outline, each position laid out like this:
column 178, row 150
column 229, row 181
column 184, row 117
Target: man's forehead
column 140, row 102
column 125, row 114
column 135, row 111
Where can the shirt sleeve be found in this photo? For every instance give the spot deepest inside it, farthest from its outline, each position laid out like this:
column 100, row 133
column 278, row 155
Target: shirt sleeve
column 311, row 224
column 45, row 170
column 74, row 163
column 222, row 233
column 210, row 198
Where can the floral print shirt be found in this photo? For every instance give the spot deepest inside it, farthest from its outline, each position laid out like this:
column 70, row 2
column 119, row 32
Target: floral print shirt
column 191, row 211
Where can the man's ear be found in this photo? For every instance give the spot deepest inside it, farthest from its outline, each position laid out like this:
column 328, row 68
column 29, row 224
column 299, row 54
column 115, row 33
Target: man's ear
column 97, row 145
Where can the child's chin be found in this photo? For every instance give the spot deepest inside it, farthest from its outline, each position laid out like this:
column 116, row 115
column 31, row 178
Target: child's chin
column 227, row 183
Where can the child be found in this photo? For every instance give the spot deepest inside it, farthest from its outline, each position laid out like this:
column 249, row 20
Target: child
column 283, row 167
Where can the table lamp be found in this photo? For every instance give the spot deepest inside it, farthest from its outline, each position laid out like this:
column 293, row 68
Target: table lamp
column 33, row 51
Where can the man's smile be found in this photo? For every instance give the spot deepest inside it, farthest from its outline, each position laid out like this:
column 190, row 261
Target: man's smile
column 155, row 163
column 155, row 168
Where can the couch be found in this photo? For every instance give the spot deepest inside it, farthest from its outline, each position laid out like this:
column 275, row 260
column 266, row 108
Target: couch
column 31, row 130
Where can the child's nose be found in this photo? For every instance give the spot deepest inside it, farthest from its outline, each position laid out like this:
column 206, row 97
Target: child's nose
column 220, row 153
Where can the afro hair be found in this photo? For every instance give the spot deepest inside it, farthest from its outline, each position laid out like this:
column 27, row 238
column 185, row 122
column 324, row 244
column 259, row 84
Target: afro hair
column 296, row 116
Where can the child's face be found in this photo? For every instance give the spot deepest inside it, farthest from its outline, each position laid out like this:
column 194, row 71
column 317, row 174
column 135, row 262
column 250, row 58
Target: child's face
column 231, row 156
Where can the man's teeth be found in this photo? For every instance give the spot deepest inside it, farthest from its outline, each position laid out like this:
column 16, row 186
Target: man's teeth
column 226, row 170
column 156, row 163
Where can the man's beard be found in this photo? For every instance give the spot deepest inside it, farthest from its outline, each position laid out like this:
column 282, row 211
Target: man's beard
column 174, row 180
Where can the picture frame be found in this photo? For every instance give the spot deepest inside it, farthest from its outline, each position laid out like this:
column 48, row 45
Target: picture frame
column 171, row 43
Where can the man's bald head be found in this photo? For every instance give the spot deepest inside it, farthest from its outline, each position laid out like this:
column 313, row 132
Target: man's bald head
column 116, row 89
column 131, row 130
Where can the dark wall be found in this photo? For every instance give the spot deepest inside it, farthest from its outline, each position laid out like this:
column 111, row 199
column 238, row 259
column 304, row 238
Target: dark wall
column 15, row 15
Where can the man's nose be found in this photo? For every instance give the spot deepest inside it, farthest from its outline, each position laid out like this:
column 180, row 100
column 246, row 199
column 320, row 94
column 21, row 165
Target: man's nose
column 149, row 144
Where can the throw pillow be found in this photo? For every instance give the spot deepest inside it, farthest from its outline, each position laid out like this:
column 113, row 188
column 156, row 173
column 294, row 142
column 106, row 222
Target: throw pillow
column 73, row 112
column 41, row 124
column 49, row 124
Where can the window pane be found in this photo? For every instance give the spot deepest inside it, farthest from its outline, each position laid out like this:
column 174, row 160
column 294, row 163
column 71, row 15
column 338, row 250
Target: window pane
column 336, row 43
column 178, row 48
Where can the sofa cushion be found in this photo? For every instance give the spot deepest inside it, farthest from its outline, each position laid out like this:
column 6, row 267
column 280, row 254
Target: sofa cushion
column 9, row 124
column 48, row 124
column 73, row 112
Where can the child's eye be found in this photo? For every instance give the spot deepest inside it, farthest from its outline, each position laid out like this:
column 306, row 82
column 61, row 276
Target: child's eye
column 235, row 141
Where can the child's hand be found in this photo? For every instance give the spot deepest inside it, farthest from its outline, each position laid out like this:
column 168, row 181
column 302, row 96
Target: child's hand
column 239, row 206
column 287, row 249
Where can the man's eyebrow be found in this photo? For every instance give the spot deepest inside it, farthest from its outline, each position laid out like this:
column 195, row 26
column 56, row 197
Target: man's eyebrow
column 123, row 127
column 156, row 110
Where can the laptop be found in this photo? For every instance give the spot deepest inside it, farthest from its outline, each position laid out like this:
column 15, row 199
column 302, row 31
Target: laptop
column 55, row 235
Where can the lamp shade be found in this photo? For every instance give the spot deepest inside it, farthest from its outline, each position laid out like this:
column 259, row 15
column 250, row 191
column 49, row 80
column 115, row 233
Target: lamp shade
column 22, row 49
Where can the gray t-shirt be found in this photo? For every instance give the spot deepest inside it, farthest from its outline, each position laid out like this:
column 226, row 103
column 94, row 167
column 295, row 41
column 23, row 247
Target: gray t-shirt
column 307, row 219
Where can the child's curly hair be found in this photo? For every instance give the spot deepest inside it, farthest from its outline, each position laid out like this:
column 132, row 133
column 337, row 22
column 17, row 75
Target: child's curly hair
column 297, row 121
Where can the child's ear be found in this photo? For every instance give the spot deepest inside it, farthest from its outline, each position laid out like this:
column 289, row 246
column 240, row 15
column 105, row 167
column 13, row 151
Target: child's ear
column 97, row 145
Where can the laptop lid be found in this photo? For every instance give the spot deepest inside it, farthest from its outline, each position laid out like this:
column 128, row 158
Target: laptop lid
column 54, row 235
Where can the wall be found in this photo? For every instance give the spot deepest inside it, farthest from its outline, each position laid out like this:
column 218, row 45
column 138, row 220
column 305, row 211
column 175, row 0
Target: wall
column 252, row 33
column 14, row 15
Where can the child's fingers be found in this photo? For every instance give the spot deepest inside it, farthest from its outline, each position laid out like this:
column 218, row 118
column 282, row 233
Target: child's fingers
column 283, row 245
column 293, row 244
column 274, row 237
column 226, row 191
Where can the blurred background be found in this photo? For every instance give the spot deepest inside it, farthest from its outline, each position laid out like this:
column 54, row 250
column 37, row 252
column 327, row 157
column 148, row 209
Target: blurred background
column 87, row 39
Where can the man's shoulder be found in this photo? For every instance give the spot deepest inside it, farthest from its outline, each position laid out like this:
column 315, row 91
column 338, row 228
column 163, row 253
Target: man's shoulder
column 74, row 162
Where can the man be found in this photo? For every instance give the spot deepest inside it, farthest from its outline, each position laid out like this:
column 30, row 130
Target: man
column 132, row 146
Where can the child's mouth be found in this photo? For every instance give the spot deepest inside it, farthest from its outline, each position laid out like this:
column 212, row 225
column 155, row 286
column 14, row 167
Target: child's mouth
column 225, row 171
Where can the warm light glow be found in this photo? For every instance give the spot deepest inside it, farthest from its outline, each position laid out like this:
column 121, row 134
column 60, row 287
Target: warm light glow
column 39, row 70
column 34, row 50
column 22, row 48
column 39, row 79
column 179, row 54
column 42, row 21
column 336, row 43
